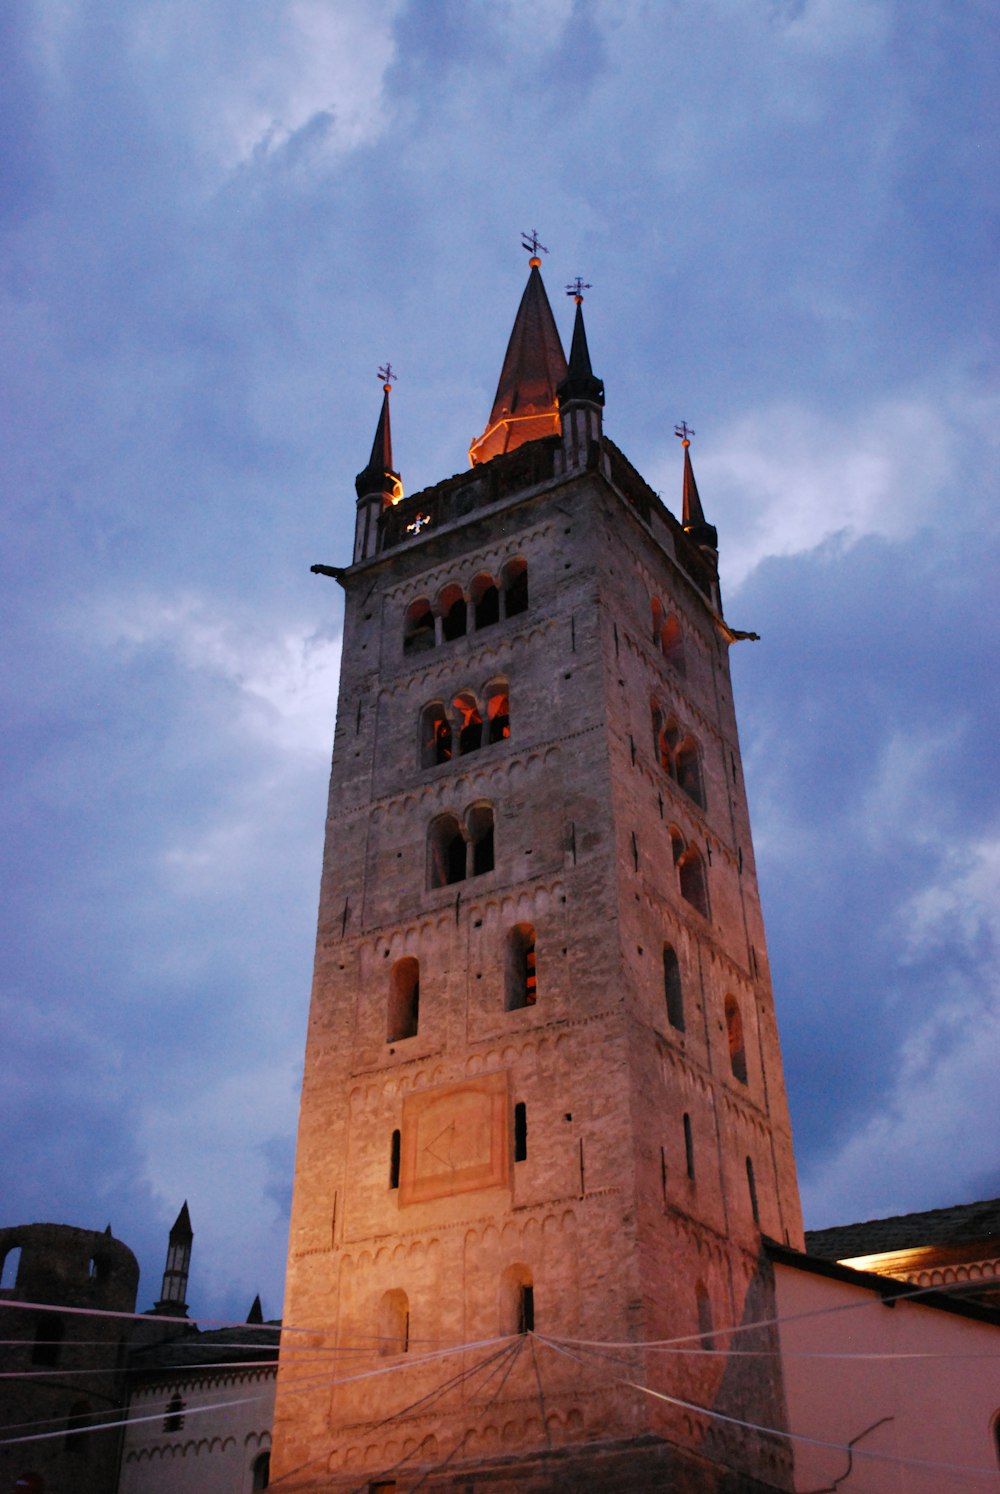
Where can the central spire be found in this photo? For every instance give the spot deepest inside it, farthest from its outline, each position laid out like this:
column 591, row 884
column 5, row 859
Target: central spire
column 525, row 406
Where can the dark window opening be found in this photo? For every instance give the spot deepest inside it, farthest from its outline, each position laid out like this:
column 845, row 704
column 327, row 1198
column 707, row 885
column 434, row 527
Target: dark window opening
column 704, row 1304
column 394, row 1323
column 394, row 1147
column 481, row 836
column 522, row 989
column 497, row 714
column 689, row 772
column 454, row 614
column 418, row 628
column 50, row 1331
column 688, row 1147
column 737, row 1047
column 692, row 880
column 672, row 645
column 470, row 723
column 404, row 1000
column 672, row 992
column 520, row 1132
column 752, row 1186
column 446, row 852
column 656, row 612
column 435, row 736
column 526, row 1310
column 11, row 1266
column 515, row 587
column 75, row 1442
column 485, row 602
column 261, row 1471
column 174, row 1419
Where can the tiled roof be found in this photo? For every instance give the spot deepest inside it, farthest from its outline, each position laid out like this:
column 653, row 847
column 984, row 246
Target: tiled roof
column 941, row 1227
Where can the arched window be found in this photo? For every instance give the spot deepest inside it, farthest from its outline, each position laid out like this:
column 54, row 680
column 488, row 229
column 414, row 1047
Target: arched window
column 261, row 1470
column 672, row 988
column 497, row 712
column 453, row 610
column 692, row 880
column 470, row 722
column 752, row 1187
column 435, row 735
column 418, row 627
column 704, row 1305
column 515, row 587
column 11, row 1266
column 520, row 1132
column 174, row 1419
column 394, row 1323
column 521, row 986
column 485, row 602
column 50, row 1330
column 688, row 764
column 404, row 1000
column 667, row 747
column 445, row 852
column 737, row 1049
column 394, row 1150
column 676, row 844
column 672, row 644
column 480, row 822
column 517, row 1300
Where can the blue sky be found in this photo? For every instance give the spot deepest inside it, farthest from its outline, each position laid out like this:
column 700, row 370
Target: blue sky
column 215, row 222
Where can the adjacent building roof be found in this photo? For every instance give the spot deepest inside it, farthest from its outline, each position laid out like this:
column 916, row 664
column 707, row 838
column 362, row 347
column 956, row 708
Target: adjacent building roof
column 959, row 1224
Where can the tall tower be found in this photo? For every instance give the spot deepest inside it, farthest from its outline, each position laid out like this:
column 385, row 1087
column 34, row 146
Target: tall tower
column 543, row 1107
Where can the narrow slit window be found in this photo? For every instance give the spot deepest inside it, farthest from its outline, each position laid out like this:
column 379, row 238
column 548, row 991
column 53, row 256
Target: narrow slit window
column 692, row 881
column 394, row 1323
column 688, row 765
column 174, row 1419
column 752, row 1188
column 520, row 1132
column 672, row 645
column 394, row 1153
column 688, row 1147
column 737, row 1047
column 672, row 993
column 50, row 1330
column 704, row 1306
column 517, row 1300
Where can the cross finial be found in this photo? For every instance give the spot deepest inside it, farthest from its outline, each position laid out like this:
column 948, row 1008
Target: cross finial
column 685, row 432
column 533, row 243
column 577, row 289
column 386, row 374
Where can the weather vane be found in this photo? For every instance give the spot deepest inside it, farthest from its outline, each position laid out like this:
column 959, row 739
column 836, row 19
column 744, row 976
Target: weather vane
column 386, row 375
column 533, row 243
column 577, row 289
column 685, row 432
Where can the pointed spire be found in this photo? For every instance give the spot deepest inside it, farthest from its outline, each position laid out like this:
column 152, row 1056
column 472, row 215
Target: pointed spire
column 256, row 1313
column 579, row 382
column 175, row 1273
column 525, row 406
column 378, row 485
column 692, row 514
column 379, row 476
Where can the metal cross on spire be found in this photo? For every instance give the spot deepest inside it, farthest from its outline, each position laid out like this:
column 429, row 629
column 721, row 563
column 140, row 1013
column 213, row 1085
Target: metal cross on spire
column 685, row 432
column 386, row 376
column 577, row 289
column 533, row 243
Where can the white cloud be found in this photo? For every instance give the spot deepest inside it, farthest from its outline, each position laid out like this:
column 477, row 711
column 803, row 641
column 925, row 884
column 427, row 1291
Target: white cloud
column 287, row 679
column 783, row 478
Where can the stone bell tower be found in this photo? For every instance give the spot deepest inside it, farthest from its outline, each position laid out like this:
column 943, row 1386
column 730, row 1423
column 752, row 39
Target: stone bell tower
column 543, row 1121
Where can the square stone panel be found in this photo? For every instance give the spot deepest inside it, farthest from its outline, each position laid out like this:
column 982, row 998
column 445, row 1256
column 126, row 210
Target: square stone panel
column 455, row 1139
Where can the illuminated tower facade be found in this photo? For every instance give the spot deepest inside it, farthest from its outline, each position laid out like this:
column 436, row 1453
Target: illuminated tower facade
column 543, row 1105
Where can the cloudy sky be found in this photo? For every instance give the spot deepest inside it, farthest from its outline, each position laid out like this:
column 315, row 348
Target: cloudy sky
column 216, row 221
